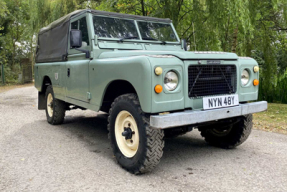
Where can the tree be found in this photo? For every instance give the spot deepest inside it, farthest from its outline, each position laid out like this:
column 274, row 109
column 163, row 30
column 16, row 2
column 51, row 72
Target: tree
column 248, row 28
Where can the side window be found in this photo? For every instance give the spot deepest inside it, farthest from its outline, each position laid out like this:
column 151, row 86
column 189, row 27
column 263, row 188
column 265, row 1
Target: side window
column 75, row 25
column 81, row 24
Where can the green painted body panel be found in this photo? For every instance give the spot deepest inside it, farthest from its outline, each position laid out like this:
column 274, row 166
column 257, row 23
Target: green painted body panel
column 77, row 85
column 135, row 70
column 167, row 101
column 184, row 55
column 134, row 61
column 115, row 45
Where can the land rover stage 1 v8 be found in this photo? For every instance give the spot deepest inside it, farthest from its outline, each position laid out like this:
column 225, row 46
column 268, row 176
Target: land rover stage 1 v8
column 138, row 71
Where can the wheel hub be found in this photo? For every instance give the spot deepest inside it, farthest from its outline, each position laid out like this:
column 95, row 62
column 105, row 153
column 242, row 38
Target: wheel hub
column 127, row 134
column 222, row 132
column 51, row 105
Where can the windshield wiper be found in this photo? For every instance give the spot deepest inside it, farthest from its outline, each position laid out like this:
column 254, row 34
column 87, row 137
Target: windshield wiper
column 149, row 38
column 131, row 37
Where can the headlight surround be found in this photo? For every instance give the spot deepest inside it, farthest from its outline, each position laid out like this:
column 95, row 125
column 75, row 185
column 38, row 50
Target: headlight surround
column 171, row 80
column 245, row 77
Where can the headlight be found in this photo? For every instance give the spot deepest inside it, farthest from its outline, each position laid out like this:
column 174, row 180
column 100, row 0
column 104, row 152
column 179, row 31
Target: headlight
column 245, row 77
column 170, row 80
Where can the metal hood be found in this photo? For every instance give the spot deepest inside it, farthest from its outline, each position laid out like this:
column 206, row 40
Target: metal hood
column 184, row 55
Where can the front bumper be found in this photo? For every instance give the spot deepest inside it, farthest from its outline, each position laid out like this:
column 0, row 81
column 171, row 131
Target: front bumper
column 193, row 117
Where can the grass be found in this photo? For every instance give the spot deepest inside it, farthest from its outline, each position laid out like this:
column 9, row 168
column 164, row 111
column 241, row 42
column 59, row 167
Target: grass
column 9, row 87
column 272, row 120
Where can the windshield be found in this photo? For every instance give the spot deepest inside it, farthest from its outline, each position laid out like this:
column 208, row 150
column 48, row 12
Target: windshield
column 114, row 28
column 108, row 27
column 156, row 31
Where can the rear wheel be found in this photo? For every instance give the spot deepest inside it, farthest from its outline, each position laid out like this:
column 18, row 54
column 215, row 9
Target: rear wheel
column 137, row 147
column 228, row 136
column 55, row 109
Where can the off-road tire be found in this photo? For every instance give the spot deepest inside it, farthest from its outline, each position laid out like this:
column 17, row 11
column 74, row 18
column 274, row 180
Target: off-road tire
column 238, row 133
column 151, row 143
column 175, row 132
column 59, row 108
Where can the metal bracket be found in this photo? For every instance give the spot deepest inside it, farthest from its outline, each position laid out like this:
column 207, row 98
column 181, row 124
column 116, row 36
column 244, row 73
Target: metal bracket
column 89, row 96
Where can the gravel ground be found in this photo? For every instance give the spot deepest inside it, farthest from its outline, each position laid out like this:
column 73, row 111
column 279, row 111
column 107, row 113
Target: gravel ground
column 76, row 156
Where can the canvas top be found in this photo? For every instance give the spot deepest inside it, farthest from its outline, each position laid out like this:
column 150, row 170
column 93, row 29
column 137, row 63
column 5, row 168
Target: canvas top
column 104, row 13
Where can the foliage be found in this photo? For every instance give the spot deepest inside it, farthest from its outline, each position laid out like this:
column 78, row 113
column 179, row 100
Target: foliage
column 272, row 120
column 248, row 28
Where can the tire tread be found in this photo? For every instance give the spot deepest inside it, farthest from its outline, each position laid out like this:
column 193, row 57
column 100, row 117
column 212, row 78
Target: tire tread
column 239, row 135
column 59, row 108
column 155, row 142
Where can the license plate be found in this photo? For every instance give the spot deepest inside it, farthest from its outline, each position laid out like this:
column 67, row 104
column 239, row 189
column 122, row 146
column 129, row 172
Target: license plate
column 220, row 101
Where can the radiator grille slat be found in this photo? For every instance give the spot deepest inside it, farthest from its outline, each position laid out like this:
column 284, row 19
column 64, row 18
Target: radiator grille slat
column 207, row 80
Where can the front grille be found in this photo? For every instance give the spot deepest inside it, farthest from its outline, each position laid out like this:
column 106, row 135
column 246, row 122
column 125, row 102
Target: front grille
column 207, row 80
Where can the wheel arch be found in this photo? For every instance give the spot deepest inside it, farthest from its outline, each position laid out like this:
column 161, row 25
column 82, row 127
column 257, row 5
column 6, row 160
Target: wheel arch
column 114, row 89
column 45, row 83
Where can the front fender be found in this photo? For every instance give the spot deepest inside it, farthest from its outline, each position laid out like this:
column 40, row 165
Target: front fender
column 248, row 92
column 136, row 70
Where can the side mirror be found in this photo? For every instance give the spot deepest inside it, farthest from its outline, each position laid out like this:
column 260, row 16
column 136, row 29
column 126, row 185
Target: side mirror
column 183, row 44
column 76, row 38
column 76, row 41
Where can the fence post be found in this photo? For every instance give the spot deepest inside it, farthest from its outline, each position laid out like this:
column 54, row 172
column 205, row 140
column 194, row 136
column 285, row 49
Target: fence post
column 27, row 76
column 2, row 74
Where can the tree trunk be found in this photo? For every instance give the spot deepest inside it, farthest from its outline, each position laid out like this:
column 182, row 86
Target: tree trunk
column 143, row 10
column 226, row 35
column 248, row 48
column 32, row 54
column 234, row 43
column 13, row 53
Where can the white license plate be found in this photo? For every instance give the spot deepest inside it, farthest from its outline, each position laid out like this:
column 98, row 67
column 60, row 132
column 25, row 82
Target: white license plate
column 220, row 101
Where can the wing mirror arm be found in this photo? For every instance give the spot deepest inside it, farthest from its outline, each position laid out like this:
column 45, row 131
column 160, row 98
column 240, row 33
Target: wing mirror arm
column 84, row 51
column 184, row 44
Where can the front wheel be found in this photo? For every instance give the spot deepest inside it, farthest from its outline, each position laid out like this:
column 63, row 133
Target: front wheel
column 229, row 136
column 136, row 146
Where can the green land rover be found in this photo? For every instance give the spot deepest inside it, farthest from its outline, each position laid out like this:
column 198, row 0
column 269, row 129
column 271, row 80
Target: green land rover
column 138, row 71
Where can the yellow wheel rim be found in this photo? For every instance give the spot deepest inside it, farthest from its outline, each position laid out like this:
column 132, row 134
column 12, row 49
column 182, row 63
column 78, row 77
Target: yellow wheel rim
column 50, row 105
column 127, row 135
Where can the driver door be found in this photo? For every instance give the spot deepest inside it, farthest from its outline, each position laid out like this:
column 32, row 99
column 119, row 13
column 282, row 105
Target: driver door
column 77, row 67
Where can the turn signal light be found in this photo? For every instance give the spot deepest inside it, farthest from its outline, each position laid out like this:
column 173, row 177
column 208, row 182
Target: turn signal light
column 256, row 82
column 158, row 88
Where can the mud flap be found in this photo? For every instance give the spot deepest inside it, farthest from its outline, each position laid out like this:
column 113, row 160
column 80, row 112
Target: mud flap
column 41, row 101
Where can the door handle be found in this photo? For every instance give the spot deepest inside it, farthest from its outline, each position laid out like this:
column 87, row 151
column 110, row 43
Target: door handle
column 68, row 72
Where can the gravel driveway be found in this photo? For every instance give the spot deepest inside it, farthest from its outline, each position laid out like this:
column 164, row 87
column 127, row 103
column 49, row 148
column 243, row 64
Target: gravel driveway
column 76, row 156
